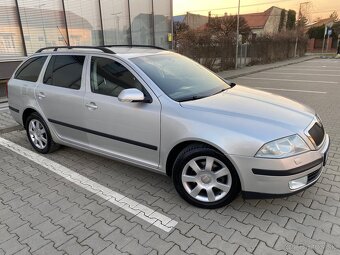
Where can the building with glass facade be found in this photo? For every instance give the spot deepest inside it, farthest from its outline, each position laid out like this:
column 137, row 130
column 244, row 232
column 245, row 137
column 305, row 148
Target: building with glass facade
column 28, row 25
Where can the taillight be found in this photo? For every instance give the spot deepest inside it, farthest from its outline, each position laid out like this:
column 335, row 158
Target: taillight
column 6, row 88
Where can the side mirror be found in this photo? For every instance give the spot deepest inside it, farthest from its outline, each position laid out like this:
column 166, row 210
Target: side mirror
column 131, row 95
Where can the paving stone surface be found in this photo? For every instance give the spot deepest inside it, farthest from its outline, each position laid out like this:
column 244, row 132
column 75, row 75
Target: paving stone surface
column 44, row 213
column 6, row 120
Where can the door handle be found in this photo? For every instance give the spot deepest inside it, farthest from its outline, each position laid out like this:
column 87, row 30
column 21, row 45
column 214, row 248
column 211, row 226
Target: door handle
column 91, row 106
column 41, row 95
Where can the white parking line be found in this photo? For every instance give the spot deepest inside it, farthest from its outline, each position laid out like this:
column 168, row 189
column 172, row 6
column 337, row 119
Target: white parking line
column 4, row 106
column 325, row 61
column 300, row 68
column 147, row 214
column 270, row 79
column 4, row 109
column 325, row 65
column 316, row 74
column 294, row 90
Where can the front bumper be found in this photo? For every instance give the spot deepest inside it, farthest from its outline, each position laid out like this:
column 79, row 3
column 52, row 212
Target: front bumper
column 265, row 178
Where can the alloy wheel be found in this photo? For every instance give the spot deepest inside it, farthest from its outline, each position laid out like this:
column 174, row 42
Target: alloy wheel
column 206, row 179
column 37, row 134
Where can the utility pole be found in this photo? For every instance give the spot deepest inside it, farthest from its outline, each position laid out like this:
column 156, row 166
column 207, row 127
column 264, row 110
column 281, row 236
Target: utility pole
column 328, row 27
column 237, row 32
column 324, row 37
column 327, row 46
column 172, row 25
column 297, row 32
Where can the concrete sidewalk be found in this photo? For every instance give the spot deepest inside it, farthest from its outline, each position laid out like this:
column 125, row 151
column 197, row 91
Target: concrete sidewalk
column 230, row 74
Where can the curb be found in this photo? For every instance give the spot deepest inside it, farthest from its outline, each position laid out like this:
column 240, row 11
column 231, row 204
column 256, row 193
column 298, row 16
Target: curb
column 268, row 68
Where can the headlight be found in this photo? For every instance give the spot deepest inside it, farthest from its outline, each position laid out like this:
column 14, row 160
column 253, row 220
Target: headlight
column 282, row 148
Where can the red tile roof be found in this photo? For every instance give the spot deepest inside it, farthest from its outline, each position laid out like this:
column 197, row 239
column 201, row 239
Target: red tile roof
column 321, row 22
column 257, row 20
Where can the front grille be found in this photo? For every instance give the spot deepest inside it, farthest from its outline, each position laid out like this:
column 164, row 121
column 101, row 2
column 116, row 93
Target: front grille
column 317, row 133
column 312, row 176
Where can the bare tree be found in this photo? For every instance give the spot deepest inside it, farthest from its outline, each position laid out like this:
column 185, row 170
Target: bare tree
column 179, row 29
column 226, row 26
column 213, row 44
column 334, row 15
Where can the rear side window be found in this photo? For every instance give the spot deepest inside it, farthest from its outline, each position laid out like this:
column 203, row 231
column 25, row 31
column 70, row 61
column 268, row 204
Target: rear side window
column 65, row 71
column 30, row 70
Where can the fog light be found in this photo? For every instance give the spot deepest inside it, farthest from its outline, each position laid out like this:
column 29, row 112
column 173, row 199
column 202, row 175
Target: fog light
column 298, row 183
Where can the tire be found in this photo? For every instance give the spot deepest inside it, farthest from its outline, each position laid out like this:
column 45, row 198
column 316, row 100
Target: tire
column 46, row 144
column 209, row 188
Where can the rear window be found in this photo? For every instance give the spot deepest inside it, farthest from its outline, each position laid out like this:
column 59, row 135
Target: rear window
column 30, row 70
column 65, row 71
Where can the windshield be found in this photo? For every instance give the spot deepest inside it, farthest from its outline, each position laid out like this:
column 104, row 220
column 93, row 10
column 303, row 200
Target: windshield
column 180, row 78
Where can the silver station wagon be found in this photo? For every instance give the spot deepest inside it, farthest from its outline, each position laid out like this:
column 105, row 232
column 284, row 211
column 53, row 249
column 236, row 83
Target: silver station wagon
column 164, row 112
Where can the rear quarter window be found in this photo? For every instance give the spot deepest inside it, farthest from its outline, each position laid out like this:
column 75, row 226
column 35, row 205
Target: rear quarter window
column 30, row 70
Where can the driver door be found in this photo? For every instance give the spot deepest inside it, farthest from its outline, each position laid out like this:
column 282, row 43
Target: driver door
column 128, row 131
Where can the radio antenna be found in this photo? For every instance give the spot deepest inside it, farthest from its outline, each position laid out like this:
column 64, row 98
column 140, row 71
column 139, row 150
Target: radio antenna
column 62, row 35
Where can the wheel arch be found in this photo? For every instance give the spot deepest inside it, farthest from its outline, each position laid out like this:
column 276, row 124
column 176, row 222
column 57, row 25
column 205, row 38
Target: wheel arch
column 26, row 113
column 172, row 155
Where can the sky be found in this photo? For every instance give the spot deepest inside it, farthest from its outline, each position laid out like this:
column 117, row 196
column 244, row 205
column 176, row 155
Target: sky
column 318, row 8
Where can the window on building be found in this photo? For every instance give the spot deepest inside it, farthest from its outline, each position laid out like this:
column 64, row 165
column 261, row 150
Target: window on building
column 162, row 19
column 43, row 21
column 83, row 21
column 141, row 22
column 8, row 42
column 109, row 77
column 30, row 70
column 90, row 22
column 10, row 36
column 116, row 23
column 65, row 71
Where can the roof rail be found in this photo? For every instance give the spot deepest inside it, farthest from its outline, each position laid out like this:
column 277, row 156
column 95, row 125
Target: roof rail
column 135, row 45
column 102, row 48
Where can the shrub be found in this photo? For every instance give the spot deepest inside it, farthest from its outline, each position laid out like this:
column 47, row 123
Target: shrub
column 215, row 49
column 270, row 48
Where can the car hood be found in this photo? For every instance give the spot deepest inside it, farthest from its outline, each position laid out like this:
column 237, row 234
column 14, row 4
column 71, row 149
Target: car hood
column 255, row 105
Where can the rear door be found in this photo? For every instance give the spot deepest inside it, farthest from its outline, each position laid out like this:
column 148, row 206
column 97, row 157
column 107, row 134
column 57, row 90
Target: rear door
column 22, row 86
column 60, row 96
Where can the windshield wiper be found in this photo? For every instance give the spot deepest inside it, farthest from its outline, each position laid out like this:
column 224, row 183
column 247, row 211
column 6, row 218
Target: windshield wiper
column 220, row 91
column 190, row 98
